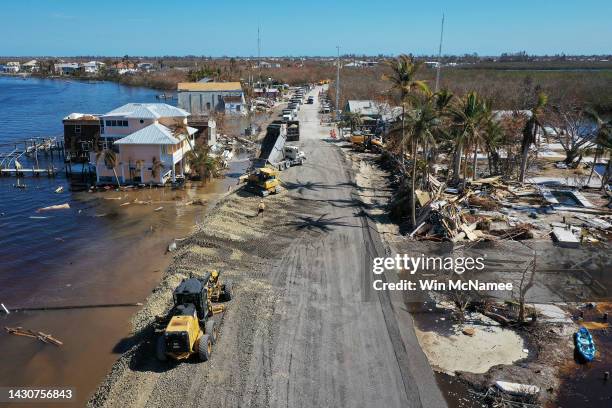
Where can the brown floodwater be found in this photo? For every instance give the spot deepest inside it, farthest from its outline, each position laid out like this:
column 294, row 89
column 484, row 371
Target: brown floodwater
column 97, row 252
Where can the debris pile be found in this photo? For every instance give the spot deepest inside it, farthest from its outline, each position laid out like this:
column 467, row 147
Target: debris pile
column 490, row 209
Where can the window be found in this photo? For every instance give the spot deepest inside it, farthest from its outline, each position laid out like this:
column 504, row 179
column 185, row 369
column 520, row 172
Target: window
column 164, row 149
column 77, row 128
column 108, row 123
column 141, row 121
column 113, row 123
column 125, row 123
column 237, row 108
column 207, row 105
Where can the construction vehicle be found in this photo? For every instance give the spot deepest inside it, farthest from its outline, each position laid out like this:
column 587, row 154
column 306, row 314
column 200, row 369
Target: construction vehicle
column 263, row 181
column 364, row 141
column 274, row 152
column 190, row 327
column 293, row 130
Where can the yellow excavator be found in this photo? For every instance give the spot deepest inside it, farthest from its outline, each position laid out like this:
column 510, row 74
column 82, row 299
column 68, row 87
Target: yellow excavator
column 190, row 327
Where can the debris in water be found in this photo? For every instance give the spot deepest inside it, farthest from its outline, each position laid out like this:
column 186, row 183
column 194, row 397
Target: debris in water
column 64, row 206
column 172, row 247
column 33, row 217
column 60, row 189
column 124, row 204
column 159, row 209
column 5, row 309
column 46, row 338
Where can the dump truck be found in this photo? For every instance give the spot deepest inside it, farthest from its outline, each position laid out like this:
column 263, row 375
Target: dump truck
column 293, row 130
column 190, row 327
column 275, row 152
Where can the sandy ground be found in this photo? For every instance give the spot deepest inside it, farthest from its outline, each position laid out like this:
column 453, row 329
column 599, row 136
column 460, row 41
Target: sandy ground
column 302, row 329
column 490, row 345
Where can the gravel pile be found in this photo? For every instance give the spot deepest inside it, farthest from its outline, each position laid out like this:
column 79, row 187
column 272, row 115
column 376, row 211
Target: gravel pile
column 232, row 239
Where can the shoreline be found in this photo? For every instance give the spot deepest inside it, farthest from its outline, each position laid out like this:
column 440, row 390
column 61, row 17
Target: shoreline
column 128, row 276
column 115, row 80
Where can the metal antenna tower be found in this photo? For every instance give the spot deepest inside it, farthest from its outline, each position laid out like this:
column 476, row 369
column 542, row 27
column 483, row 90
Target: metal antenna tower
column 439, row 55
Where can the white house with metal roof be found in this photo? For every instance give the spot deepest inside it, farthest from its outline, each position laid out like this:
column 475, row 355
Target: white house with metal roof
column 150, row 141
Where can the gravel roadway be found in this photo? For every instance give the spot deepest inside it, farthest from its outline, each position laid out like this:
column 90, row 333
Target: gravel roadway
column 303, row 329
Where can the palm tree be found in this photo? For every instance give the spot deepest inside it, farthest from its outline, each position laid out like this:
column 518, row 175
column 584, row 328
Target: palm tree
column 530, row 132
column 603, row 143
column 493, row 137
column 202, row 162
column 404, row 70
column 353, row 119
column 468, row 120
column 156, row 167
column 424, row 122
column 441, row 101
column 110, row 160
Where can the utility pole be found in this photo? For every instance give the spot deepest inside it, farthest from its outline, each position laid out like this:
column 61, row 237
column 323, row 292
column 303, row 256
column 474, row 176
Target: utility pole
column 259, row 53
column 439, row 55
column 337, row 83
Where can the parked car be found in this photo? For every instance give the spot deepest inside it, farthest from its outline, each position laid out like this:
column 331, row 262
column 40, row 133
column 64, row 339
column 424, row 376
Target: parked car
column 310, row 100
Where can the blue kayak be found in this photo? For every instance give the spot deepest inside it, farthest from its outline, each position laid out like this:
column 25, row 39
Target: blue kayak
column 585, row 344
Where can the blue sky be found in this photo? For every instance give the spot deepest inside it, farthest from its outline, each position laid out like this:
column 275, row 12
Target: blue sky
column 297, row 27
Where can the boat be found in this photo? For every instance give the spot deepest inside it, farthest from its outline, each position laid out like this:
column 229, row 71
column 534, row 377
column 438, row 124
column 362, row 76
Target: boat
column 585, row 346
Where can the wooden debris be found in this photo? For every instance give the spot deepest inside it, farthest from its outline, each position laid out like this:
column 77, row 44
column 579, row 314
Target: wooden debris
column 45, row 338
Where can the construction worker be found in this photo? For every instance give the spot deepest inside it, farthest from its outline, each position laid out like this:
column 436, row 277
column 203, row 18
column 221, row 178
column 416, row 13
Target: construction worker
column 261, row 207
column 214, row 276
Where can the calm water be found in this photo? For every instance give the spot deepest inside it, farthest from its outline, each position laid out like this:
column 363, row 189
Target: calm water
column 98, row 251
column 31, row 246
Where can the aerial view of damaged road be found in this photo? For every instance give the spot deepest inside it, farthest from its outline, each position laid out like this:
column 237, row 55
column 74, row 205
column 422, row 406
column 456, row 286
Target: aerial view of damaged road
column 199, row 211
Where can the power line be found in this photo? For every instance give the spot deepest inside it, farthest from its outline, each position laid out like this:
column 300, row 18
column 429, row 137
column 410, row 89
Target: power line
column 337, row 81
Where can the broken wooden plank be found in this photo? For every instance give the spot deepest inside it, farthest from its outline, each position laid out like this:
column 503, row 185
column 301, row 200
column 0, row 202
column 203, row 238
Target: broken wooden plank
column 468, row 232
column 44, row 337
